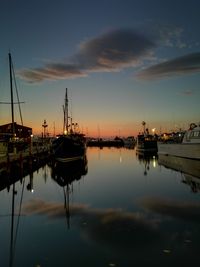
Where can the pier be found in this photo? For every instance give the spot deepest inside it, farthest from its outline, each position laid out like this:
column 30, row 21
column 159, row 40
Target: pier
column 15, row 165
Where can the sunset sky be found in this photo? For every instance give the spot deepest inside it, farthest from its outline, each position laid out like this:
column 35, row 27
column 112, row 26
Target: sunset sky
column 123, row 62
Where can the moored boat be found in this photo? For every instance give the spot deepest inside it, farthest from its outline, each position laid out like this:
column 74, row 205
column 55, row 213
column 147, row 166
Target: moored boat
column 14, row 138
column 71, row 145
column 188, row 148
column 146, row 142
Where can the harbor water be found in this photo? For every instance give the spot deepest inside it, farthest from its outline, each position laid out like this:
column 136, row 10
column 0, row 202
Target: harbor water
column 116, row 208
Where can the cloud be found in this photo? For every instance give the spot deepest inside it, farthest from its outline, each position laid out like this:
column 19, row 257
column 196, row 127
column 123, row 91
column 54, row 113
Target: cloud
column 169, row 36
column 188, row 92
column 52, row 71
column 187, row 64
column 109, row 52
column 114, row 50
column 111, row 226
column 131, row 235
column 181, row 210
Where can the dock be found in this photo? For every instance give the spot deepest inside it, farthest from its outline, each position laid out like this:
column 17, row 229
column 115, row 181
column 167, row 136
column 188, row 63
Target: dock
column 14, row 166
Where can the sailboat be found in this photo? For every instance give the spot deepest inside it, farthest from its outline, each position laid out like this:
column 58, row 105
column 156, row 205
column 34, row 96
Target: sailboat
column 71, row 145
column 13, row 137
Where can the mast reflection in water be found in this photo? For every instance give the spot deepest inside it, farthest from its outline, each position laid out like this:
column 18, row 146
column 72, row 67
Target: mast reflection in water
column 65, row 174
column 124, row 209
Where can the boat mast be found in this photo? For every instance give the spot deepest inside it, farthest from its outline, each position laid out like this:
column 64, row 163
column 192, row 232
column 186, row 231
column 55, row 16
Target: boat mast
column 66, row 114
column 11, row 92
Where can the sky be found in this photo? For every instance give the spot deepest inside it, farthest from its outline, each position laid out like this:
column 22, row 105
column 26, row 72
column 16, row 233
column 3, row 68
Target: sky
column 123, row 62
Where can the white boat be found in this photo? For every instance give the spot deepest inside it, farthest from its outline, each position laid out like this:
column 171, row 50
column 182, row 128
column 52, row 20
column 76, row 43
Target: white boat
column 188, row 148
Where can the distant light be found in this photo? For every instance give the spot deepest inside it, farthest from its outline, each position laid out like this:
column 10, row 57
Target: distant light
column 32, row 191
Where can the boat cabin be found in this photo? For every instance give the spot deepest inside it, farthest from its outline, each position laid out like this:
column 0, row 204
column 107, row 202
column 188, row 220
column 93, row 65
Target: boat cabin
column 192, row 135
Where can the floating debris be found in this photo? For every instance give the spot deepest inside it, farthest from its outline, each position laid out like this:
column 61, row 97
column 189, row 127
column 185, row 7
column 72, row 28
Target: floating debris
column 167, row 251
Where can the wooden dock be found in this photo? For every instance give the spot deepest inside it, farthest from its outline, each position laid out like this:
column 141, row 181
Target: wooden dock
column 15, row 166
column 23, row 156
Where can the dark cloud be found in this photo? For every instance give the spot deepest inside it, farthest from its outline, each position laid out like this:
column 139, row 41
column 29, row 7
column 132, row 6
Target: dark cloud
column 179, row 66
column 114, row 50
column 51, row 72
column 110, row 52
column 111, row 226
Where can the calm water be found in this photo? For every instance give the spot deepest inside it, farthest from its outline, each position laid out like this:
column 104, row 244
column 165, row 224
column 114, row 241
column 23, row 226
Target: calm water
column 118, row 210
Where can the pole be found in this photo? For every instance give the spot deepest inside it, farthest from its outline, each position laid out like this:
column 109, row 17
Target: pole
column 11, row 92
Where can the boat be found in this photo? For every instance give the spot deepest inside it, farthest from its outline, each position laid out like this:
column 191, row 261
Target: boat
column 14, row 138
column 99, row 142
column 129, row 142
column 145, row 142
column 189, row 147
column 71, row 145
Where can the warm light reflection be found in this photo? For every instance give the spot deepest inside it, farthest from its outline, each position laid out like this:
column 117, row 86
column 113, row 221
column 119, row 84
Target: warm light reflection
column 154, row 162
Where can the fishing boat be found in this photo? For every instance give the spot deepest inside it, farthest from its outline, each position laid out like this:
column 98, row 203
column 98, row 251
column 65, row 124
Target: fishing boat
column 71, row 145
column 188, row 148
column 145, row 142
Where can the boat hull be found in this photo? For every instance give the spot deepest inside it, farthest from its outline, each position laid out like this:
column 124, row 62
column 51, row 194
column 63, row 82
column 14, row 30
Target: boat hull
column 183, row 150
column 147, row 146
column 67, row 149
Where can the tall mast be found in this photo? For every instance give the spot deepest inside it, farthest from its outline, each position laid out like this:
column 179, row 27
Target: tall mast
column 11, row 92
column 66, row 114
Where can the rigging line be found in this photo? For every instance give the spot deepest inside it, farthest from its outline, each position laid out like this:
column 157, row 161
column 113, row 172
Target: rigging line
column 12, row 227
column 10, row 102
column 19, row 215
column 66, row 204
column 17, row 92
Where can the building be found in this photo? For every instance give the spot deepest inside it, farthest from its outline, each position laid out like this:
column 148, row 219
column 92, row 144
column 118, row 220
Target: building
column 20, row 130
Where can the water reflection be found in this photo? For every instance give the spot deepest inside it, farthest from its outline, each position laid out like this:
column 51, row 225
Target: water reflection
column 10, row 175
column 65, row 174
column 14, row 172
column 193, row 182
column 118, row 218
column 146, row 158
column 189, row 169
